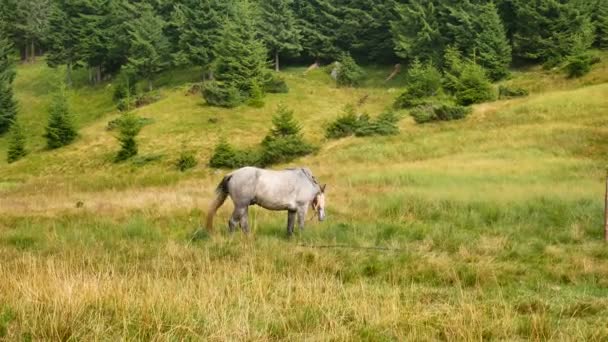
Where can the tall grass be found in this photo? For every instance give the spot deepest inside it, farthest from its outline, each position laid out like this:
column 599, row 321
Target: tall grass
column 484, row 229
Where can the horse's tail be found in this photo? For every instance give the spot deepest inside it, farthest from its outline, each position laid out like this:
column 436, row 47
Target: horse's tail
column 222, row 194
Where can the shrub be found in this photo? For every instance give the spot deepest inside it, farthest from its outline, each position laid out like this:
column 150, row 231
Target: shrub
column 147, row 98
column 505, row 92
column 345, row 125
column 579, row 65
column 222, row 95
column 473, row 86
column 284, row 142
column 408, row 100
column 124, row 88
column 186, row 161
column 349, row 73
column 227, row 157
column 466, row 80
column 60, row 130
column 129, row 128
column 423, row 81
column 256, row 96
column 443, row 112
column 114, row 124
column 386, row 124
column 16, row 143
column 362, row 126
column 276, row 85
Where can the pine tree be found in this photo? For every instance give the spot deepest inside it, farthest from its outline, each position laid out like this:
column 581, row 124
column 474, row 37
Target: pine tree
column 199, row 25
column 601, row 24
column 278, row 29
column 103, row 31
column 477, row 31
column 60, row 130
column 318, row 23
column 349, row 73
column 365, row 29
column 150, row 50
column 129, row 126
column 241, row 61
column 8, row 106
column 64, row 36
column 33, row 24
column 548, row 30
column 284, row 142
column 493, row 50
column 16, row 143
column 416, row 31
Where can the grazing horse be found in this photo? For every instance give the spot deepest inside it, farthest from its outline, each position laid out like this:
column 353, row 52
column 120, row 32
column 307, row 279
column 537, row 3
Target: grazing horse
column 293, row 190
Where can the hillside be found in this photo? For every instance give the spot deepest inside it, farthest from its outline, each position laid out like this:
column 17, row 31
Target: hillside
column 492, row 224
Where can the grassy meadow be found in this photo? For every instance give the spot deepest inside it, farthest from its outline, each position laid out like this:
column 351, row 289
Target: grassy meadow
column 489, row 228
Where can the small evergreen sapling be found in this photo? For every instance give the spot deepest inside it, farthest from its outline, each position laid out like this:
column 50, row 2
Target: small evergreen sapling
column 60, row 130
column 130, row 126
column 16, row 143
column 349, row 73
column 284, row 142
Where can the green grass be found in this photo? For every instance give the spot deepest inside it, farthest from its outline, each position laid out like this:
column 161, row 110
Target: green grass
column 485, row 228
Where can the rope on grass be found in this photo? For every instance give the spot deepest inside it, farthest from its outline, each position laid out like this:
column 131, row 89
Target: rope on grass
column 374, row 248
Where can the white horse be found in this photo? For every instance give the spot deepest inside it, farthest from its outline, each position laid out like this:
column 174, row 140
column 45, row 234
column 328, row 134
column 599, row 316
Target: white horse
column 293, row 190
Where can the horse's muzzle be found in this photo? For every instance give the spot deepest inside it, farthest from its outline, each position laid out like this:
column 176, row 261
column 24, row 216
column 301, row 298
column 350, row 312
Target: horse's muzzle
column 321, row 215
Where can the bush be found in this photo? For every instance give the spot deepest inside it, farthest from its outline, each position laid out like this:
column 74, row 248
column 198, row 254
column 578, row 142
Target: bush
column 443, row 112
column 114, row 124
column 473, row 86
column 130, row 127
column 124, row 88
column 423, row 81
column 16, row 143
column 362, row 126
column 284, row 142
column 505, row 92
column 276, row 85
column 386, row 124
column 256, row 96
column 222, row 95
column 345, row 125
column 349, row 73
column 227, row 157
column 186, row 161
column 579, row 65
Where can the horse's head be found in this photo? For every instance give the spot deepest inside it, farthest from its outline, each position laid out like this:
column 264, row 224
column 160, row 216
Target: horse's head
column 318, row 203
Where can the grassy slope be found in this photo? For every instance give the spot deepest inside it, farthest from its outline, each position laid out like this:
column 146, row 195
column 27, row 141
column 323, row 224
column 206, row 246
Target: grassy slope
column 497, row 219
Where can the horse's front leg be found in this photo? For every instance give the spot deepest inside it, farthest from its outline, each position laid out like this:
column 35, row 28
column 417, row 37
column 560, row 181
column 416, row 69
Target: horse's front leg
column 302, row 216
column 291, row 220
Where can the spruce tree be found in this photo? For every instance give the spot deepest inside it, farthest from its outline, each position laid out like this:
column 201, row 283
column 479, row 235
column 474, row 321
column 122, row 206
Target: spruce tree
column 241, row 60
column 284, row 142
column 150, row 50
column 601, row 24
column 199, row 25
column 33, row 24
column 8, row 106
column 476, row 29
column 129, row 126
column 103, row 35
column 16, row 143
column 278, row 29
column 64, row 39
column 548, row 30
column 416, row 31
column 60, row 130
column 318, row 23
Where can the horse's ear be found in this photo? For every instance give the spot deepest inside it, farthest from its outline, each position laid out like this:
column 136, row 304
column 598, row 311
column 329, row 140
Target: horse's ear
column 323, row 188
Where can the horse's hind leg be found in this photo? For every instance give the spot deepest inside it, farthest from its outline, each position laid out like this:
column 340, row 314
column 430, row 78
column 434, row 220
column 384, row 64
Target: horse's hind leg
column 245, row 219
column 291, row 221
column 234, row 220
